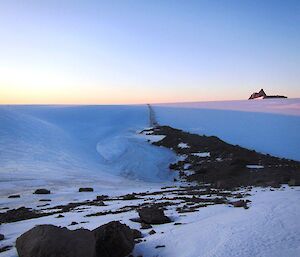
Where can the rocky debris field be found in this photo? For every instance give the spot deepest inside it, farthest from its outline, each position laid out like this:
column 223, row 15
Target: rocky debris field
column 212, row 174
column 208, row 159
column 144, row 210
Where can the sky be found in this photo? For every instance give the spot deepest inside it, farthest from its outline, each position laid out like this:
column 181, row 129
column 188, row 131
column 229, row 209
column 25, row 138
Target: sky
column 119, row 52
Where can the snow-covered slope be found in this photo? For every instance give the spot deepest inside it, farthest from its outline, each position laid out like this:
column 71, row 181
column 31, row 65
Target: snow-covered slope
column 67, row 143
column 64, row 147
column 269, row 126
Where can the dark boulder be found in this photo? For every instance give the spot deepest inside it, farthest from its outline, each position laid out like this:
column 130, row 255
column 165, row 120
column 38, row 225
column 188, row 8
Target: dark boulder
column 14, row 196
column 136, row 234
column 86, row 189
column 42, row 191
column 113, row 240
column 240, row 203
column 153, row 215
column 52, row 241
column 1, row 237
column 152, row 232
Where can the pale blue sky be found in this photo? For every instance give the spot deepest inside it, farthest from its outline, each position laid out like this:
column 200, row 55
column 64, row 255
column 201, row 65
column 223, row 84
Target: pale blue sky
column 147, row 51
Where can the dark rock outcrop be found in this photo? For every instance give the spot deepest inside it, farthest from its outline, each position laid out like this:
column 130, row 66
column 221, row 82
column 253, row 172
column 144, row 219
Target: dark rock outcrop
column 42, row 191
column 227, row 167
column 1, row 237
column 263, row 95
column 21, row 213
column 153, row 215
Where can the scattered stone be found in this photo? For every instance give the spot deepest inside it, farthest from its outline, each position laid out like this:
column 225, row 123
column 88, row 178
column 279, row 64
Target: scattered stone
column 59, row 216
column 239, row 195
column 177, row 223
column 129, row 197
column 145, row 226
column 240, row 203
column 113, row 239
column 21, row 213
column 1, row 237
column 43, row 205
column 14, row 196
column 160, row 246
column 73, row 223
column 5, row 248
column 45, row 200
column 42, row 191
column 86, row 189
column 137, row 241
column 101, row 197
column 152, row 232
column 136, row 234
column 153, row 215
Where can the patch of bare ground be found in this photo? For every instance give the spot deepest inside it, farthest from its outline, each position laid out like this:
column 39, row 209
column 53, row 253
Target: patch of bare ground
column 208, row 159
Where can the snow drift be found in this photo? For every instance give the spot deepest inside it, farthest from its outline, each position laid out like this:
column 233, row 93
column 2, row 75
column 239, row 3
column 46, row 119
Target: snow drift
column 78, row 142
column 268, row 126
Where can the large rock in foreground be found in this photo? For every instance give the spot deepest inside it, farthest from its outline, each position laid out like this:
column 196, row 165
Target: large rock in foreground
column 110, row 240
column 113, row 240
column 52, row 241
column 153, row 215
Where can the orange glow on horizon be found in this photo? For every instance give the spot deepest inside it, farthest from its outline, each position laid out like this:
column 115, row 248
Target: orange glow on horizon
column 100, row 97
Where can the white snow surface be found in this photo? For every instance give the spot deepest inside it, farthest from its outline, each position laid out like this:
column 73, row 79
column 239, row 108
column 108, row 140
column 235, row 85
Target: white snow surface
column 255, row 166
column 77, row 145
column 268, row 126
column 204, row 154
column 65, row 147
column 183, row 145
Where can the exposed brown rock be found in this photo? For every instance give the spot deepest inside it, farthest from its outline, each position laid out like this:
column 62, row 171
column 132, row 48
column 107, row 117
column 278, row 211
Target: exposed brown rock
column 110, row 240
column 42, row 191
column 113, row 240
column 153, row 215
column 86, row 189
column 52, row 241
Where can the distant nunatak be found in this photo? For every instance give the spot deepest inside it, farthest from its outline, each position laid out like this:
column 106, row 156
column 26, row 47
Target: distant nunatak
column 262, row 95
